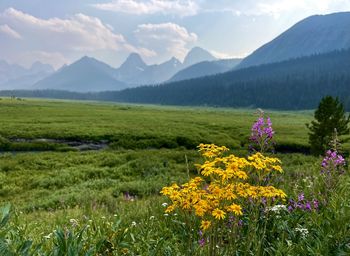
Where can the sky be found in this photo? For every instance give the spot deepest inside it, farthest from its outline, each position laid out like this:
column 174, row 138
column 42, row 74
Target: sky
column 60, row 32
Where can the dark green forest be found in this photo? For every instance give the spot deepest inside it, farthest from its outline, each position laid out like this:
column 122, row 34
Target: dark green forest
column 289, row 85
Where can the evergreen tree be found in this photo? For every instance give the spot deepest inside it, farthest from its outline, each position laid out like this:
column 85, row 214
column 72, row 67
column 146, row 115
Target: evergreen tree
column 330, row 115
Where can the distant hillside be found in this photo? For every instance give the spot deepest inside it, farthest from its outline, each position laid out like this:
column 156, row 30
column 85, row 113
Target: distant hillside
column 17, row 77
column 205, row 68
column 196, row 55
column 313, row 35
column 134, row 71
column 86, row 74
column 131, row 69
column 91, row 75
column 294, row 84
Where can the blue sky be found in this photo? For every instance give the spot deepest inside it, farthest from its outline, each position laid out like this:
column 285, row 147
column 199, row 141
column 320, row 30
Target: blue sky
column 58, row 32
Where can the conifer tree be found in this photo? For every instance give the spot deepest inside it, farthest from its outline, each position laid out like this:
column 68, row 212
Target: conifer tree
column 329, row 115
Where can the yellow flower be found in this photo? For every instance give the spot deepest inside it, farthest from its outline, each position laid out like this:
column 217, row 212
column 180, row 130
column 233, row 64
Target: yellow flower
column 170, row 208
column 277, row 168
column 218, row 214
column 235, row 208
column 215, row 196
column 205, row 224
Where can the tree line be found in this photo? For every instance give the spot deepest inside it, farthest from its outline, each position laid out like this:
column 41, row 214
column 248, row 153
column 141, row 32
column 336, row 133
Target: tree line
column 289, row 85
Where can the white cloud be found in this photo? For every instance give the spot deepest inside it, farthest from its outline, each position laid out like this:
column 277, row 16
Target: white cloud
column 54, row 38
column 79, row 32
column 175, row 7
column 9, row 31
column 167, row 39
column 277, row 8
column 221, row 55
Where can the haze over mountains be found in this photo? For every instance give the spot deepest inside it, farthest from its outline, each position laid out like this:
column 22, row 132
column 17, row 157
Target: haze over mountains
column 89, row 75
column 205, row 68
column 313, row 35
column 17, row 77
column 84, row 75
column 293, row 71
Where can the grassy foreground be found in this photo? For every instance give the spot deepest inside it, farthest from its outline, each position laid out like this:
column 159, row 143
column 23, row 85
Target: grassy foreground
column 107, row 202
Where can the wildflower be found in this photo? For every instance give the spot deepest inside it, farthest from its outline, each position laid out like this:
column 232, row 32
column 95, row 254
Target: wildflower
column 235, row 208
column 218, row 214
column 170, row 208
column 277, row 208
column 308, row 206
column 48, row 236
column 205, row 224
column 262, row 134
column 333, row 161
column 201, row 242
column 227, row 181
column 303, row 232
column 301, row 197
column 133, row 224
column 303, row 204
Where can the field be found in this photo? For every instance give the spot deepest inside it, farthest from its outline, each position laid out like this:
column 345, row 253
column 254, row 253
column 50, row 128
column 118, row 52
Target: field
column 84, row 178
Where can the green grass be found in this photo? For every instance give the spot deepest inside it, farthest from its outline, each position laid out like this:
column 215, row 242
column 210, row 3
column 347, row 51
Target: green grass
column 131, row 126
column 149, row 147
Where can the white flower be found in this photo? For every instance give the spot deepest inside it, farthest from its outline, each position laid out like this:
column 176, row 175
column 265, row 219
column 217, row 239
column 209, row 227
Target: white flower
column 48, row 236
column 164, row 204
column 166, row 215
column 303, row 231
column 133, row 224
column 277, row 208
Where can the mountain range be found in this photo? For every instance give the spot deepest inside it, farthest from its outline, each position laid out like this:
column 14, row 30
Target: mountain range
column 313, row 35
column 84, row 75
column 291, row 85
column 13, row 76
column 205, row 68
column 293, row 71
column 88, row 74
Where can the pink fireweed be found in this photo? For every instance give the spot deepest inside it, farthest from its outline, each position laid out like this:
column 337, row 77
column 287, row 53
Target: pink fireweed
column 262, row 134
column 333, row 162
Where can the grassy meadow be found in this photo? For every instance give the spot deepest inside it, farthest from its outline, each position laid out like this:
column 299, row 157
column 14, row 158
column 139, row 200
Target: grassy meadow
column 68, row 201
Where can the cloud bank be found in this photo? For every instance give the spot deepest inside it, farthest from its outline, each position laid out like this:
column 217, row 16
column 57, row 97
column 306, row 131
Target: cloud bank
column 173, row 7
column 168, row 39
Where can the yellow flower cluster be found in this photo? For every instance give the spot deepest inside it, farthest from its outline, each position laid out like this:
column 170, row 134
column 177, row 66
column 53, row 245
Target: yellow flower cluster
column 211, row 150
column 228, row 187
